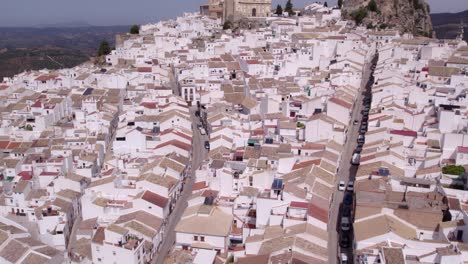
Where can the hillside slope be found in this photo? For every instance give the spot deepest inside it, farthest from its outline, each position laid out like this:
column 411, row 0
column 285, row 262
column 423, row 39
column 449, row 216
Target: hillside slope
column 405, row 15
column 24, row 49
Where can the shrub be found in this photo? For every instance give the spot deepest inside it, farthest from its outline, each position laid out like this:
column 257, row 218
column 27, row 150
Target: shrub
column 453, row 170
column 279, row 10
column 359, row 15
column 135, row 30
column 372, row 6
column 227, row 25
column 288, row 7
column 104, row 48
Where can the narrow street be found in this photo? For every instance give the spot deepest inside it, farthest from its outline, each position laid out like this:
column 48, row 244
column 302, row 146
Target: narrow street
column 347, row 172
column 198, row 155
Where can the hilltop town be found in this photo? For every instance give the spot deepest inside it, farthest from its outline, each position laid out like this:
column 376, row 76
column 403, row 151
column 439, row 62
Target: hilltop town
column 285, row 138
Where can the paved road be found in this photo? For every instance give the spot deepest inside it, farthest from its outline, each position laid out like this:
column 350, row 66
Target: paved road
column 198, row 155
column 347, row 172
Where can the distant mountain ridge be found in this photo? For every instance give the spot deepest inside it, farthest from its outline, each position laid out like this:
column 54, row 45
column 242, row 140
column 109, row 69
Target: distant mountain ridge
column 447, row 25
column 34, row 48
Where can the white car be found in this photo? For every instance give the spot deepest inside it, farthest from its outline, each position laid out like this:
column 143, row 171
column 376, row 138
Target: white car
column 343, row 258
column 341, row 186
column 345, row 224
column 350, row 186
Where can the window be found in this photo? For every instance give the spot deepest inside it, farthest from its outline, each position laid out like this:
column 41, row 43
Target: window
column 202, row 238
column 195, row 238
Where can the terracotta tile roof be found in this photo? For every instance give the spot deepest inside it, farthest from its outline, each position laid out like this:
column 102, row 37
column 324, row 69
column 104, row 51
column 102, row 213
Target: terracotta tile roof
column 305, row 164
column 155, row 199
column 462, row 149
column 295, row 204
column 405, row 133
column 199, row 185
column 175, row 143
column 318, row 209
column 340, row 102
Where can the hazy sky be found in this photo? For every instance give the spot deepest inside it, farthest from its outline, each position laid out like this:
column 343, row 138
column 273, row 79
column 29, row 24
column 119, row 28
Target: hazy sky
column 124, row 12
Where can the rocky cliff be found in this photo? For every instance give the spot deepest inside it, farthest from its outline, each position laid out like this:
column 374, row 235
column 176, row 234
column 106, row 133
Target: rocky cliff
column 408, row 16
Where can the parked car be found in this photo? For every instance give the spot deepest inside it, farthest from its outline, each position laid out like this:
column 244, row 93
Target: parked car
column 345, row 224
column 355, row 122
column 344, row 239
column 346, row 211
column 341, row 186
column 348, row 199
column 202, row 131
column 356, row 159
column 207, row 145
column 360, row 139
column 350, row 186
column 343, row 258
column 358, row 149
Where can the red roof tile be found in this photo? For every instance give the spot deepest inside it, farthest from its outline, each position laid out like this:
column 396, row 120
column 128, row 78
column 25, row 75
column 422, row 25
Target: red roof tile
column 155, row 199
column 144, row 69
column 37, row 104
column 340, row 102
column 25, row 175
column 209, row 193
column 199, row 185
column 175, row 143
column 49, row 173
column 306, row 164
column 405, row 133
column 149, row 105
column 46, row 77
column 295, row 204
column 318, row 208
column 462, row 149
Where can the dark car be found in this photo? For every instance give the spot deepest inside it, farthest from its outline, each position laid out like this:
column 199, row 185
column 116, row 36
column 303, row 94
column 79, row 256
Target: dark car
column 358, row 149
column 346, row 211
column 345, row 241
column 348, row 199
column 207, row 145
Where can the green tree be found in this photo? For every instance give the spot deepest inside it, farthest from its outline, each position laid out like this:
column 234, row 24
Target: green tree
column 135, row 29
column 359, row 15
column 227, row 25
column 279, row 10
column 453, row 170
column 28, row 127
column 417, row 4
column 104, row 48
column 372, row 6
column 340, row 3
column 288, row 7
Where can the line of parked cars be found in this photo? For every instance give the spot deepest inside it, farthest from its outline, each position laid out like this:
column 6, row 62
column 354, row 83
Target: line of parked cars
column 356, row 159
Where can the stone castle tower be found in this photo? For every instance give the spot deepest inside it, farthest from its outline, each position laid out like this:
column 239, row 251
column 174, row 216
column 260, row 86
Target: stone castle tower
column 234, row 10
column 237, row 9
